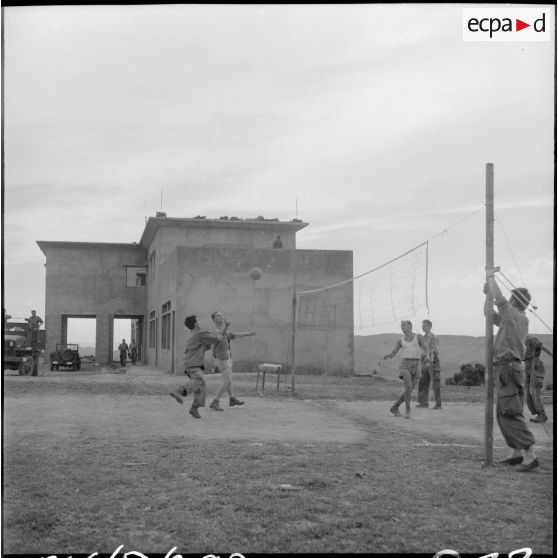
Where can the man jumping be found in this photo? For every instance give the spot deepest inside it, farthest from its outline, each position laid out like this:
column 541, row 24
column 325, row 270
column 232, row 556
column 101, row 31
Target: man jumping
column 198, row 342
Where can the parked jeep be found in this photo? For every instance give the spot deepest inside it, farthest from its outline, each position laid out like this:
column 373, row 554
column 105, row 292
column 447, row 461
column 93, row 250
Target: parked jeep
column 18, row 355
column 66, row 354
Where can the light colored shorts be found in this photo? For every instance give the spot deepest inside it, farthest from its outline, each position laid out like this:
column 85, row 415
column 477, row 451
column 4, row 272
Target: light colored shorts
column 411, row 367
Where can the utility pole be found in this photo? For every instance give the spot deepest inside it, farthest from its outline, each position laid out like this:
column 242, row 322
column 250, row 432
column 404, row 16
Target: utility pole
column 489, row 327
column 293, row 324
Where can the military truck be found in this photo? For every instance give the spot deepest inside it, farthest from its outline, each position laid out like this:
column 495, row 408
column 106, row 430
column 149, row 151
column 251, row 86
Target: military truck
column 66, row 354
column 18, row 354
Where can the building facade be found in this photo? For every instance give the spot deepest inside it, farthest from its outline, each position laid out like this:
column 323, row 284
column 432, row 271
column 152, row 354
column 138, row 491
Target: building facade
column 195, row 266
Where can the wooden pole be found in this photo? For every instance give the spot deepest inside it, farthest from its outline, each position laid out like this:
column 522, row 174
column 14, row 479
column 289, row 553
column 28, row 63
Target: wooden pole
column 293, row 324
column 293, row 343
column 489, row 327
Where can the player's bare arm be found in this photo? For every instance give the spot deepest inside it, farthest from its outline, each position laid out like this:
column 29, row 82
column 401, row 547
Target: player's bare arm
column 395, row 350
column 242, row 334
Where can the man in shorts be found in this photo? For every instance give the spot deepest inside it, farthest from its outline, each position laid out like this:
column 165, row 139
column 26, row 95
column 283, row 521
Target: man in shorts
column 413, row 348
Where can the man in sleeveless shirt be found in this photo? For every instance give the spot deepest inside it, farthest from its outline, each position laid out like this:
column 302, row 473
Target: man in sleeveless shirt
column 413, row 348
column 509, row 351
column 430, row 369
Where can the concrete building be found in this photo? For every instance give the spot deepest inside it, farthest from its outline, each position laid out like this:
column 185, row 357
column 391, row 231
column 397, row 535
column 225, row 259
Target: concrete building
column 194, row 266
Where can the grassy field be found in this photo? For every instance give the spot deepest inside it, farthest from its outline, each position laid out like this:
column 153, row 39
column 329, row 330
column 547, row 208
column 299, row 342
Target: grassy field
column 95, row 460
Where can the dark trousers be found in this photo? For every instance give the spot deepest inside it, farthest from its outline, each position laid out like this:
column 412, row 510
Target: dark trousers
column 429, row 373
column 123, row 358
column 195, row 385
column 533, row 387
column 514, row 429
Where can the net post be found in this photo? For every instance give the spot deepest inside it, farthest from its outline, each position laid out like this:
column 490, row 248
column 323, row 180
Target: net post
column 489, row 328
column 293, row 322
column 293, row 343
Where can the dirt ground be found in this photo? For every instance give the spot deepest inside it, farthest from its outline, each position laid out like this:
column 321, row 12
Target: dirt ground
column 148, row 410
column 102, row 457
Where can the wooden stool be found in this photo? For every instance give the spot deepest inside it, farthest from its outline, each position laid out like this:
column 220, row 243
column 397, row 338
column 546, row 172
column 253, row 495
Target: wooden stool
column 272, row 369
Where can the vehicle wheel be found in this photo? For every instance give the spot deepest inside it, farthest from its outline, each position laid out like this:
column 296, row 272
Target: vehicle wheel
column 26, row 366
column 51, row 367
column 57, row 367
column 74, row 367
column 67, row 354
column 79, row 365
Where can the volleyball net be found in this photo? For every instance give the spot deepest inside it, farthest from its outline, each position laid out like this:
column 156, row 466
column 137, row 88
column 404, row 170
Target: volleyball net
column 394, row 291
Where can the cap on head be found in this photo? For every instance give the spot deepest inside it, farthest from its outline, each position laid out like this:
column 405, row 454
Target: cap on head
column 534, row 342
column 427, row 322
column 521, row 296
column 190, row 322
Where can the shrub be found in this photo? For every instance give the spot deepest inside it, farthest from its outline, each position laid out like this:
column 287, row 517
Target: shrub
column 468, row 375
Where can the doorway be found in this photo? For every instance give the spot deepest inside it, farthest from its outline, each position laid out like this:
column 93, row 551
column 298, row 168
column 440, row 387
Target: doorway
column 128, row 328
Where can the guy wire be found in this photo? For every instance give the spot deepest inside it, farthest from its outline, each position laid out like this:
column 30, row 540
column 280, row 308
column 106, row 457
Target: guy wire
column 510, row 248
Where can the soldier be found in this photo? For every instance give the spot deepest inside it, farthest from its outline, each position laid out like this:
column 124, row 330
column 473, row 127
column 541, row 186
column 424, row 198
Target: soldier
column 123, row 348
column 33, row 326
column 133, row 351
column 430, row 369
column 509, row 352
column 534, row 378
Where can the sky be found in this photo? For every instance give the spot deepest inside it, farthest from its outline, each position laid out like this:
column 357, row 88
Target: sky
column 372, row 122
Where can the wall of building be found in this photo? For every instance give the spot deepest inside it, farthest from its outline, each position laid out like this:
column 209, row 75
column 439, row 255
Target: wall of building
column 213, row 278
column 161, row 290
column 240, row 236
column 90, row 280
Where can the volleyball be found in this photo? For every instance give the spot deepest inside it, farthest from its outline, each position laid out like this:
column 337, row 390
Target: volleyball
column 255, row 273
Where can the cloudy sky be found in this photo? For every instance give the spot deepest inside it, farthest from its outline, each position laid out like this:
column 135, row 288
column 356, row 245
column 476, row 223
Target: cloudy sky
column 373, row 123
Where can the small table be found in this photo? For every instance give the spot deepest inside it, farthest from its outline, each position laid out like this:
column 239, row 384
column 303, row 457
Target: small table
column 271, row 369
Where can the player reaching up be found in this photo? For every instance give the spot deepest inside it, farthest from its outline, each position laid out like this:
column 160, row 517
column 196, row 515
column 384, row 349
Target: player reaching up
column 509, row 352
column 223, row 360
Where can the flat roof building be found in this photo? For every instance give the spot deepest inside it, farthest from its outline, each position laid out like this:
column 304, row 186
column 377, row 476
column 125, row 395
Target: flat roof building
column 184, row 266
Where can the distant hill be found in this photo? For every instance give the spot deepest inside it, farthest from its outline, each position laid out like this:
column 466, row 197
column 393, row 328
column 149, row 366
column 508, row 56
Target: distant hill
column 455, row 350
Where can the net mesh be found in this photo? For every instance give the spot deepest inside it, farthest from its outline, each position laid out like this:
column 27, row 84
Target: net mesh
column 392, row 292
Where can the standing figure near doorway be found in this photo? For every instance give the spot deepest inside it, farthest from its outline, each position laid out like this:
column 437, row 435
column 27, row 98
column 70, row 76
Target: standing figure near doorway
column 133, row 351
column 123, row 348
column 34, row 323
